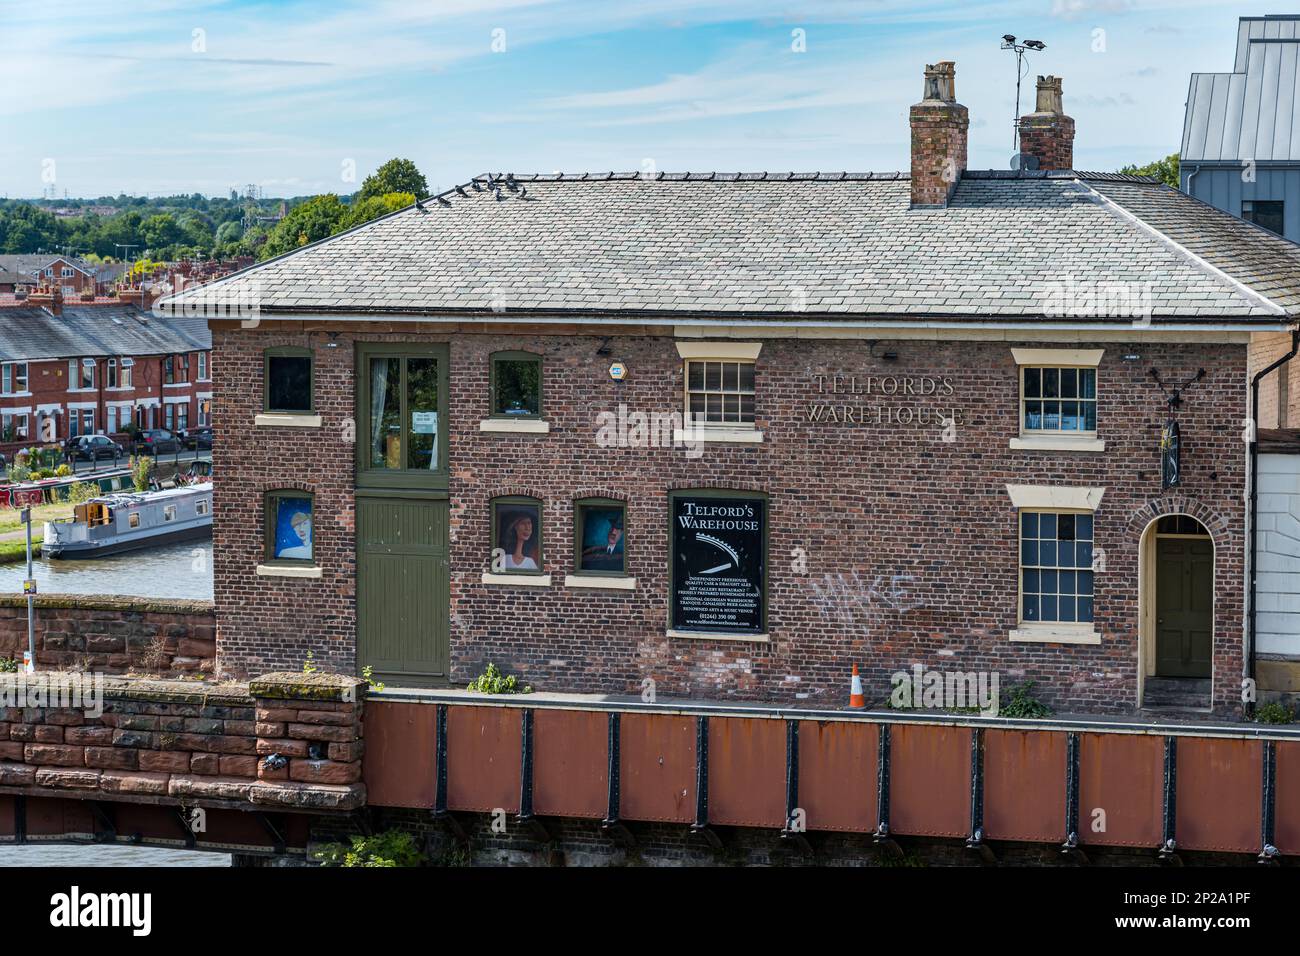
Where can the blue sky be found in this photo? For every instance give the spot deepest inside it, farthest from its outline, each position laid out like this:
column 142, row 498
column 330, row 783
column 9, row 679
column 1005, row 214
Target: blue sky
column 162, row 96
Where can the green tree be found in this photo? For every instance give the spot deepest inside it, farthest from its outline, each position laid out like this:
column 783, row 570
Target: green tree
column 395, row 176
column 1165, row 170
column 316, row 219
column 366, row 209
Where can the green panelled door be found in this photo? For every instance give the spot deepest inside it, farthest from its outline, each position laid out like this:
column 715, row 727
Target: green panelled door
column 403, row 585
column 1184, row 609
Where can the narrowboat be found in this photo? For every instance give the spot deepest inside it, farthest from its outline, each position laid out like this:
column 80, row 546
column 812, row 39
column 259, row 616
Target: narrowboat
column 125, row 522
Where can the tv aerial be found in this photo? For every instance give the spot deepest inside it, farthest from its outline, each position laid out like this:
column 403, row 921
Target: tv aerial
column 1020, row 48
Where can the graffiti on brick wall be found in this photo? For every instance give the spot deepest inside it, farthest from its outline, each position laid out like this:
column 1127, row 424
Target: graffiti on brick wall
column 853, row 598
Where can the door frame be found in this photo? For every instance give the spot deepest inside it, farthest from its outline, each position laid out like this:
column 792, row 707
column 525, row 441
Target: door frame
column 1147, row 554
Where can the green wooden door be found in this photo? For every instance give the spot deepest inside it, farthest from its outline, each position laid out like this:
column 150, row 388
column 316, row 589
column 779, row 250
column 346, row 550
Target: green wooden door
column 403, row 582
column 1184, row 606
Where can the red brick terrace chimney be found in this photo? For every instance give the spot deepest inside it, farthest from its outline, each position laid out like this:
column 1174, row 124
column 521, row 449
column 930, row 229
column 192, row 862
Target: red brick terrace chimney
column 1047, row 134
column 939, row 125
column 48, row 298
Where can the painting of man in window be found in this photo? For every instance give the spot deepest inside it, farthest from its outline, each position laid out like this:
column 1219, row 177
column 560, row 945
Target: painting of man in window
column 293, row 529
column 518, row 532
column 602, row 539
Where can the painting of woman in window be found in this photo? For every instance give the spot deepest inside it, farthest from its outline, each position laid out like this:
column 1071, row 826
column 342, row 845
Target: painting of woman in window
column 293, row 529
column 517, row 536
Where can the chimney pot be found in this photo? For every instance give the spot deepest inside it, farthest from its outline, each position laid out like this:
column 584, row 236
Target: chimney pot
column 941, row 82
column 1049, row 95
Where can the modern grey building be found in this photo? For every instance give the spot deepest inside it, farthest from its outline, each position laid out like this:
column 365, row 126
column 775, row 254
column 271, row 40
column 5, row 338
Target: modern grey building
column 1241, row 132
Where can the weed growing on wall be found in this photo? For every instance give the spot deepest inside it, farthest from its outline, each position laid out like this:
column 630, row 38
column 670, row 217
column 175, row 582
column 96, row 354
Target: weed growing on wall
column 492, row 681
column 1275, row 712
column 1024, row 704
column 390, row 848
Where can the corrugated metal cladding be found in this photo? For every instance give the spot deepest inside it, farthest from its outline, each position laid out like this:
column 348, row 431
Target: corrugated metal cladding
column 1241, row 131
column 1249, row 113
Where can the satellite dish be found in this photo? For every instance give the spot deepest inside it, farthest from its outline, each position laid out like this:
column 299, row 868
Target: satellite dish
column 1024, row 161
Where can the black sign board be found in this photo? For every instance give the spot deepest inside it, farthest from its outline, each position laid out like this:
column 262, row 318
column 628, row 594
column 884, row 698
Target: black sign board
column 1170, row 455
column 718, row 564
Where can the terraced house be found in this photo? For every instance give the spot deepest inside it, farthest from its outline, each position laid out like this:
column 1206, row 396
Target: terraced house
column 736, row 432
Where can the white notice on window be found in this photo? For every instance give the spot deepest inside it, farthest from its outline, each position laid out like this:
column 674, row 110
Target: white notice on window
column 424, row 423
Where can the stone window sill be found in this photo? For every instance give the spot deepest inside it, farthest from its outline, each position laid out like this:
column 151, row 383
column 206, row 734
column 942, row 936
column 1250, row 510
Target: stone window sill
column 1054, row 443
column 1055, row 634
column 275, row 420
column 707, row 636
column 287, row 571
column 734, row 436
column 599, row 581
column 518, row 580
column 515, row 426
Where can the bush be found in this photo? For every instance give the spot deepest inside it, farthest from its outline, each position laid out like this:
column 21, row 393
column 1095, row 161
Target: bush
column 63, row 471
column 390, row 848
column 1275, row 712
column 82, row 491
column 492, row 681
column 141, row 470
column 1023, row 703
column 8, row 665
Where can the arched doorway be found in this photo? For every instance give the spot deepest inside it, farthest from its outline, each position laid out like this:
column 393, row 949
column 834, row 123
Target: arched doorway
column 1177, row 613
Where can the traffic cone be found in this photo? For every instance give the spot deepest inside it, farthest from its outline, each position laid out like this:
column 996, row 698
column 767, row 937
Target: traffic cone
column 856, row 700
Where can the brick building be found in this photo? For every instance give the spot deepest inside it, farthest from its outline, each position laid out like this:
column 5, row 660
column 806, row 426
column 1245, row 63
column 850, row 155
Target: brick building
column 735, row 432
column 71, row 276
column 80, row 369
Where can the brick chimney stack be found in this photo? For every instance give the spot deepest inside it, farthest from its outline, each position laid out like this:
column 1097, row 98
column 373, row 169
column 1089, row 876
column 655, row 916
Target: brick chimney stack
column 49, row 298
column 1047, row 134
column 939, row 125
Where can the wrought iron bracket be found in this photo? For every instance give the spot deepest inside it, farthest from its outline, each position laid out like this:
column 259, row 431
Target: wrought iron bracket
column 1070, row 848
column 277, row 838
column 1269, row 853
column 881, row 835
column 701, row 824
column 1168, row 849
column 975, row 842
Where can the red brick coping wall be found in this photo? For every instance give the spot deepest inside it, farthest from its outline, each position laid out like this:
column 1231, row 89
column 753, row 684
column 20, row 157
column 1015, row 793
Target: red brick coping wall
column 283, row 740
column 112, row 634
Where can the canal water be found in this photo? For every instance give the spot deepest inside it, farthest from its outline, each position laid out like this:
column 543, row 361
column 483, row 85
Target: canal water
column 106, row 855
column 181, row 570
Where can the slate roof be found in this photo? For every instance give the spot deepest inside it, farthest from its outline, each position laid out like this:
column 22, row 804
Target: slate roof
column 791, row 247
column 29, row 333
column 31, row 263
column 1251, row 112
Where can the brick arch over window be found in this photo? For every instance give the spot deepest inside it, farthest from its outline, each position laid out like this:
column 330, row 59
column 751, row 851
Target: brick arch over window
column 265, row 486
column 599, row 491
column 1213, row 522
column 516, row 491
column 714, row 484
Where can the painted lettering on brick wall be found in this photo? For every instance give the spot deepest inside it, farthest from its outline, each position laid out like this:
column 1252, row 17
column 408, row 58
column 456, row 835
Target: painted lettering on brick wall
column 718, row 564
column 882, row 400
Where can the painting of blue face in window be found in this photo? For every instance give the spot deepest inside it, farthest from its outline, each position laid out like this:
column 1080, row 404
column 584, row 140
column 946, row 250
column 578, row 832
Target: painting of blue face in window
column 293, row 530
column 602, row 538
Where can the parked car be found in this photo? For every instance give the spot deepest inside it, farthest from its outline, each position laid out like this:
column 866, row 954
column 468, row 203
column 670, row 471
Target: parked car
column 156, row 441
column 196, row 438
column 92, row 448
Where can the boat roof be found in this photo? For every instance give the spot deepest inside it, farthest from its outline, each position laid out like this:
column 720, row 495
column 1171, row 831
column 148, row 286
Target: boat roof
column 145, row 497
